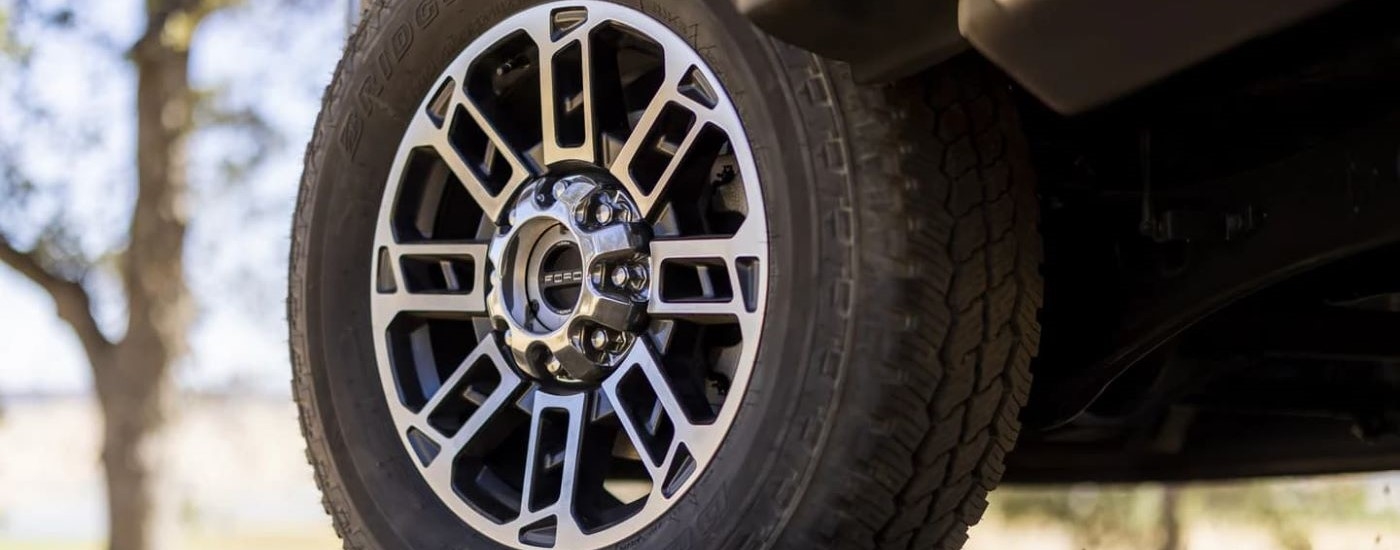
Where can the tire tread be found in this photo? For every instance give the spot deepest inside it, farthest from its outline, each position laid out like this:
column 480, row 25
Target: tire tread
column 944, row 192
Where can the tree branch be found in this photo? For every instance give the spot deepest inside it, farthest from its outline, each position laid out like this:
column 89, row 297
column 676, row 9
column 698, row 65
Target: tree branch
column 72, row 300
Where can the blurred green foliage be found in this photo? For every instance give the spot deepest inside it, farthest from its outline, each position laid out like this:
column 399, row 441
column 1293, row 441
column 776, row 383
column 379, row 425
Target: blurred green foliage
column 5, row 31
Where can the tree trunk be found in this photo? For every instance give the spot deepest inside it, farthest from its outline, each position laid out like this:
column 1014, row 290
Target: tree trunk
column 136, row 388
column 133, row 377
column 136, row 456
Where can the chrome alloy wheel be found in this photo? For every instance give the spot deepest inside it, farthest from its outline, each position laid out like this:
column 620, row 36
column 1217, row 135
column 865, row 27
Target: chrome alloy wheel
column 569, row 280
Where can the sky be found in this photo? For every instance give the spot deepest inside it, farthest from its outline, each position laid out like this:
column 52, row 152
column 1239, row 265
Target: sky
column 266, row 57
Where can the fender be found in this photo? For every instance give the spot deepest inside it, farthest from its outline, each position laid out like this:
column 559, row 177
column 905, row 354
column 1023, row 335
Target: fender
column 882, row 40
column 1072, row 54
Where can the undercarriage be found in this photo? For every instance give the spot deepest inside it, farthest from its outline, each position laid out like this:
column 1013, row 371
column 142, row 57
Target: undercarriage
column 1222, row 290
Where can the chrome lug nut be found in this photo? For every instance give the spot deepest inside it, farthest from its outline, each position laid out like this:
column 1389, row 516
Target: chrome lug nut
column 603, row 214
column 557, row 370
column 621, row 276
column 629, row 276
column 600, row 339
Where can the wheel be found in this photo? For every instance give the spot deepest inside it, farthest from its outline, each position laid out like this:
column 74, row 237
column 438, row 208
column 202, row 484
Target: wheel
column 587, row 274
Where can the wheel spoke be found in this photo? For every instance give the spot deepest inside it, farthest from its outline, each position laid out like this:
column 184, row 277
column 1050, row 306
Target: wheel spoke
column 665, row 94
column 642, row 138
column 441, row 468
column 648, row 203
column 705, row 256
column 492, row 202
column 488, row 349
column 446, row 305
column 566, row 89
column 551, row 468
column 630, row 427
column 727, row 248
column 424, row 131
column 460, row 265
column 644, row 360
column 569, row 533
column 566, row 100
column 471, row 252
column 458, row 249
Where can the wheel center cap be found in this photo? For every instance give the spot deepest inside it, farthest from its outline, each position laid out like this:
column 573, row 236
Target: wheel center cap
column 560, row 275
column 565, row 317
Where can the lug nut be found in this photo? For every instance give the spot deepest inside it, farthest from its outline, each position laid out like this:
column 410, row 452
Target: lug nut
column 629, row 276
column 603, row 214
column 621, row 276
column 556, row 369
column 600, row 339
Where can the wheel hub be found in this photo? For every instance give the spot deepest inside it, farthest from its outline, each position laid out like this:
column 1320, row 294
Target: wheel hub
column 568, row 278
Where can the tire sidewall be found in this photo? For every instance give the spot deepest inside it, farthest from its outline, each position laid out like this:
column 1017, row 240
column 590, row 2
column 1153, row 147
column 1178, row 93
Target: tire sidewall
column 748, row 488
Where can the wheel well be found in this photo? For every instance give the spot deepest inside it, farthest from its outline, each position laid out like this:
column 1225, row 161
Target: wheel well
column 1223, row 245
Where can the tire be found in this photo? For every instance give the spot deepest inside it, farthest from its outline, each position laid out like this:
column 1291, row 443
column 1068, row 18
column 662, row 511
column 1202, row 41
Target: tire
column 901, row 298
